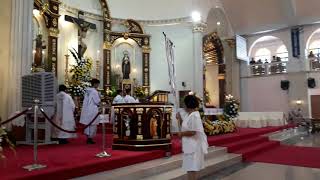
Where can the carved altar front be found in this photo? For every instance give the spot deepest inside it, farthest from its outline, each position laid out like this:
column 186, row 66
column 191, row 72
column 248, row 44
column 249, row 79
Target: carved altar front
column 142, row 126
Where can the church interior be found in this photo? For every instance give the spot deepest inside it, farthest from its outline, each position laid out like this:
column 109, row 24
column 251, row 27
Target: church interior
column 96, row 89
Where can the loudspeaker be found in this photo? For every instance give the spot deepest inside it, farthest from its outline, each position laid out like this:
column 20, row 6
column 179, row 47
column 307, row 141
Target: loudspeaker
column 285, row 84
column 183, row 84
column 311, row 83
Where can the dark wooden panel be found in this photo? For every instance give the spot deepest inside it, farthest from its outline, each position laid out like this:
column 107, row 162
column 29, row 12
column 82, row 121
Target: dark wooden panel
column 315, row 106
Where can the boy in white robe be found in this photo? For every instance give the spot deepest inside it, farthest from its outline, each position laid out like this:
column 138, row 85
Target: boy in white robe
column 90, row 109
column 64, row 115
column 194, row 140
column 129, row 99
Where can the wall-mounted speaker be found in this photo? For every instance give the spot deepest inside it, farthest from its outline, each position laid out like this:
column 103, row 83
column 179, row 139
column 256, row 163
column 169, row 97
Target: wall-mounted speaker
column 183, row 84
column 285, row 84
column 311, row 82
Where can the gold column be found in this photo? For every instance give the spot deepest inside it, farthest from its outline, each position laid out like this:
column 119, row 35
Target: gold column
column 139, row 112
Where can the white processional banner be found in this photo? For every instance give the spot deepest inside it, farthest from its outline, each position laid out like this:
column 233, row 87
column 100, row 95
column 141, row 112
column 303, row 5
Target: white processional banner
column 172, row 77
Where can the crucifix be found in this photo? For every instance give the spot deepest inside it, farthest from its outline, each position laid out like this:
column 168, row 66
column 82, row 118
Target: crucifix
column 83, row 27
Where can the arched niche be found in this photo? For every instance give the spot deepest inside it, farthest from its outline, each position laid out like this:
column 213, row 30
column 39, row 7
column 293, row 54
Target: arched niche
column 47, row 12
column 313, row 43
column 214, row 75
column 266, row 47
column 39, row 34
column 135, row 53
column 218, row 22
column 133, row 32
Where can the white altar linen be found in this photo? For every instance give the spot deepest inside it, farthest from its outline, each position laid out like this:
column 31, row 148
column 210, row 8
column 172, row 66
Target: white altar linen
column 260, row 119
column 212, row 111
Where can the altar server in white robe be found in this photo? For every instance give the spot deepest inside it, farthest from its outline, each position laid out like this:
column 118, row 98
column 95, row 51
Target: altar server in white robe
column 90, row 109
column 64, row 116
column 194, row 140
column 129, row 99
column 119, row 98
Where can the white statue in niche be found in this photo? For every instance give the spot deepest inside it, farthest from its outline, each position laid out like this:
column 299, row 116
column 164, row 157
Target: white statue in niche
column 126, row 65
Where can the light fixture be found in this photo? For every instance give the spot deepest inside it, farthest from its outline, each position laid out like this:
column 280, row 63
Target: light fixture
column 36, row 12
column 196, row 16
column 134, row 70
column 218, row 23
column 298, row 102
column 34, row 51
column 117, row 66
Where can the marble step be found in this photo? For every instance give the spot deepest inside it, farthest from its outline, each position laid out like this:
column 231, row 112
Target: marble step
column 150, row 168
column 212, row 165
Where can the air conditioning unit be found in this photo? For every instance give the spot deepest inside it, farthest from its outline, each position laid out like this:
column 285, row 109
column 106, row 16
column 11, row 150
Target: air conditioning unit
column 41, row 86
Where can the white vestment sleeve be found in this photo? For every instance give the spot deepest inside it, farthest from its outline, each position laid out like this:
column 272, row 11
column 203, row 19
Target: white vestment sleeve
column 195, row 124
column 96, row 98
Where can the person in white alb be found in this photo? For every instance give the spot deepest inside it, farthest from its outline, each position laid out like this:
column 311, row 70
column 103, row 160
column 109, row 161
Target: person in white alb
column 194, row 140
column 90, row 109
column 129, row 99
column 64, row 116
column 119, row 98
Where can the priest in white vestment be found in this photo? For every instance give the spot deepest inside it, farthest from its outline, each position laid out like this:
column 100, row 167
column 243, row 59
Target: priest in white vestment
column 90, row 109
column 64, row 116
column 194, row 140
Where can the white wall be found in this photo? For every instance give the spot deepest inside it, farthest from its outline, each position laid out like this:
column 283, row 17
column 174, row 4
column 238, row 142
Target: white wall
column 182, row 37
column 5, row 19
column 263, row 94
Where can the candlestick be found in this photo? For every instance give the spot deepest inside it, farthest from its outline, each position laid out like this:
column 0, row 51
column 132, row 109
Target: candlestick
column 98, row 69
column 66, row 75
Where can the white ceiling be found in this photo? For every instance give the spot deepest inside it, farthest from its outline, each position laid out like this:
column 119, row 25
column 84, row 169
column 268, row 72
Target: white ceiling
column 250, row 16
column 245, row 16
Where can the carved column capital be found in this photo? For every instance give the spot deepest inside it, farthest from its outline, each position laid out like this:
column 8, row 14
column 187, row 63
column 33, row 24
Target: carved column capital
column 199, row 27
column 231, row 42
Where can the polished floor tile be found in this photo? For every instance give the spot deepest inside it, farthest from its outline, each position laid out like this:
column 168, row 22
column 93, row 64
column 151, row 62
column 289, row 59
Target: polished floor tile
column 264, row 171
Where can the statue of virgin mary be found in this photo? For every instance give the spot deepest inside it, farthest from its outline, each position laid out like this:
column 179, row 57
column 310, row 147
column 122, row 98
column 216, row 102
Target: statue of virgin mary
column 126, row 65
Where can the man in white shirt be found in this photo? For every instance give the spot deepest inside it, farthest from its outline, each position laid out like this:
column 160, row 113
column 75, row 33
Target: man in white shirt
column 90, row 109
column 127, row 98
column 64, row 115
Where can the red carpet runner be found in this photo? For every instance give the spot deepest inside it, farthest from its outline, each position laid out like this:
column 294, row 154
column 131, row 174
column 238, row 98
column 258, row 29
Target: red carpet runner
column 77, row 159
column 290, row 155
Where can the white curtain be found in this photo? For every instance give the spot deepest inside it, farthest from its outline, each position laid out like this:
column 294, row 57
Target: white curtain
column 19, row 61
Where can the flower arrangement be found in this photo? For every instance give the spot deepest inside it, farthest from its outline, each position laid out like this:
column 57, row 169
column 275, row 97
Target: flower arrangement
column 231, row 108
column 111, row 92
column 218, row 127
column 139, row 92
column 207, row 96
column 80, row 78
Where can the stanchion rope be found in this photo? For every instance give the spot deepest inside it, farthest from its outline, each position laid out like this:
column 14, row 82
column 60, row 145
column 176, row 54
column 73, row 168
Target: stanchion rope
column 61, row 129
column 16, row 116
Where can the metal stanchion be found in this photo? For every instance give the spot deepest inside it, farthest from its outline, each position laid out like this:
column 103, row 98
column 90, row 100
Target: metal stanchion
column 35, row 164
column 104, row 152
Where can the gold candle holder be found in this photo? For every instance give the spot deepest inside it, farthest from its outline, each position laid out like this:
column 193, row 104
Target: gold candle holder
column 66, row 75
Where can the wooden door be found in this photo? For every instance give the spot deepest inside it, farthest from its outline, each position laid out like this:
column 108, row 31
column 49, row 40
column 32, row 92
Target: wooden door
column 315, row 106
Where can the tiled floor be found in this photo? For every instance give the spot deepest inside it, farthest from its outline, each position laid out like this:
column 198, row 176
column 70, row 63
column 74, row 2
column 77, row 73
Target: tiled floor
column 264, row 171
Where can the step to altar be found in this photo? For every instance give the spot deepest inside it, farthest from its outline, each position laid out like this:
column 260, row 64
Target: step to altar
column 168, row 168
